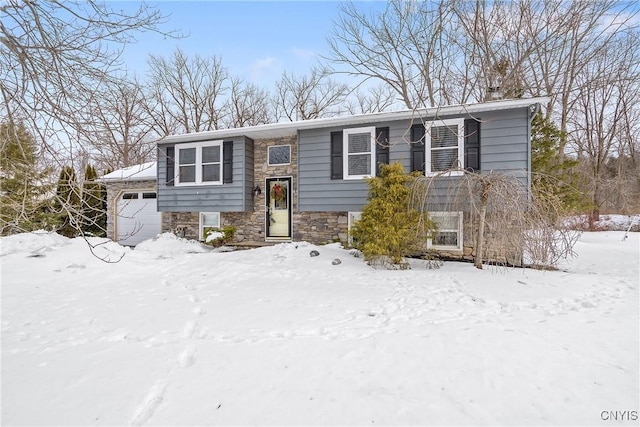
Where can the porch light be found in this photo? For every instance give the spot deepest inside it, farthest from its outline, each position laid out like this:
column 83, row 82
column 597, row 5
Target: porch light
column 257, row 191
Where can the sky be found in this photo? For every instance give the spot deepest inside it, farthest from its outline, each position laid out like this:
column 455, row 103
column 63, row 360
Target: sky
column 257, row 40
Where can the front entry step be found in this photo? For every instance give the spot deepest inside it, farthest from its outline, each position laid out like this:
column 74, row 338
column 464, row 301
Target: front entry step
column 247, row 244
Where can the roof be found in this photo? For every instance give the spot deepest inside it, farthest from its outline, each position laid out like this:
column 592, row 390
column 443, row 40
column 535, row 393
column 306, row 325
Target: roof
column 142, row 172
column 278, row 130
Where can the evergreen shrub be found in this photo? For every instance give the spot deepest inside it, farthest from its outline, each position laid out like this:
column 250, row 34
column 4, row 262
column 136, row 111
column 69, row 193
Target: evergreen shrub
column 228, row 233
column 389, row 228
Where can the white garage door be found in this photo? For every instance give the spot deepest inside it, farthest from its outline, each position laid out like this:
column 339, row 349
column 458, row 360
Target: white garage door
column 138, row 218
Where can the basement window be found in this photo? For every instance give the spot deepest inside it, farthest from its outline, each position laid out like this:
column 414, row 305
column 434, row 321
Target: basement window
column 449, row 234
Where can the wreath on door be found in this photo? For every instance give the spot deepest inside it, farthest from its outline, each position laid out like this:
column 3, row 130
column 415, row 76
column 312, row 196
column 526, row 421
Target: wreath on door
column 278, row 192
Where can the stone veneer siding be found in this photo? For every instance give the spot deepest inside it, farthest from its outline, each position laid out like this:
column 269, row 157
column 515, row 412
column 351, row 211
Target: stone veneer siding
column 182, row 224
column 251, row 225
column 114, row 189
column 320, row 227
column 494, row 249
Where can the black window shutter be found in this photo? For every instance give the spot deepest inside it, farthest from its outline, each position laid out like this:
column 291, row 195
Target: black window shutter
column 382, row 148
column 472, row 145
column 417, row 148
column 227, row 162
column 336, row 155
column 170, row 166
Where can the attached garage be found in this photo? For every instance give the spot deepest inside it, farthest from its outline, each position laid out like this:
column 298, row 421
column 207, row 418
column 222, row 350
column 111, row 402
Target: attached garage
column 137, row 217
column 132, row 211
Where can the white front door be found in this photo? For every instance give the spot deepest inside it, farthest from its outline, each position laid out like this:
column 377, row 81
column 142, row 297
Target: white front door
column 279, row 208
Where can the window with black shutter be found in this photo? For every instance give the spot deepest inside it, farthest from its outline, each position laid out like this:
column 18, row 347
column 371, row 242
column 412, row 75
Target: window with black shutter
column 170, row 167
column 227, row 162
column 417, row 148
column 336, row 155
column 382, row 148
column 472, row 145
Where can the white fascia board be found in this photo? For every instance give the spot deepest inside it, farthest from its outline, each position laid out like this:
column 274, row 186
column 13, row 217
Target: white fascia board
column 278, row 130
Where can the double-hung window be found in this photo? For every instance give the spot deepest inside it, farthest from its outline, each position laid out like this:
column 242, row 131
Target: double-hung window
column 444, row 148
column 199, row 163
column 359, row 152
column 449, row 234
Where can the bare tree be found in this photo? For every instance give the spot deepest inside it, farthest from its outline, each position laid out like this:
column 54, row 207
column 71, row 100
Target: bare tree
column 627, row 181
column 583, row 56
column 582, row 32
column 512, row 226
column 374, row 100
column 120, row 131
column 408, row 47
column 610, row 85
column 309, row 96
column 159, row 108
column 247, row 105
column 495, row 43
column 55, row 57
column 187, row 92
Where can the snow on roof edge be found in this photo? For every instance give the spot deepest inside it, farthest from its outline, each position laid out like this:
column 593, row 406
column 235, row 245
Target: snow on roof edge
column 141, row 172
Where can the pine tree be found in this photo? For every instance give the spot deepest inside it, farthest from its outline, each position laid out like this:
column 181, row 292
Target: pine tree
column 94, row 217
column 388, row 228
column 23, row 183
column 554, row 180
column 67, row 203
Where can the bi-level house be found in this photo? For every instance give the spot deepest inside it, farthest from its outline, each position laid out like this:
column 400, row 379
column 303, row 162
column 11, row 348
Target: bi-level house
column 305, row 180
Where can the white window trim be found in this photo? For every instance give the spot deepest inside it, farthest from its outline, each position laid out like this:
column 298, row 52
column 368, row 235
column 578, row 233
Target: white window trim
column 350, row 224
column 427, row 162
column 278, row 164
column 460, row 245
column 345, row 152
column 201, row 225
column 198, row 146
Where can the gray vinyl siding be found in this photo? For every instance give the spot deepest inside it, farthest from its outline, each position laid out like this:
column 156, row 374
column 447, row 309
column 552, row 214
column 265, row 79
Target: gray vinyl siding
column 317, row 192
column 504, row 141
column 504, row 147
column 230, row 197
column 246, row 168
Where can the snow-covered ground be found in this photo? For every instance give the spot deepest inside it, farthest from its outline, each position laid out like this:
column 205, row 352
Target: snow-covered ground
column 177, row 334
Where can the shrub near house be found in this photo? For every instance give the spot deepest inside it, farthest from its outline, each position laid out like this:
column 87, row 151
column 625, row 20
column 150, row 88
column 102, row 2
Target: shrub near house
column 218, row 237
column 389, row 228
